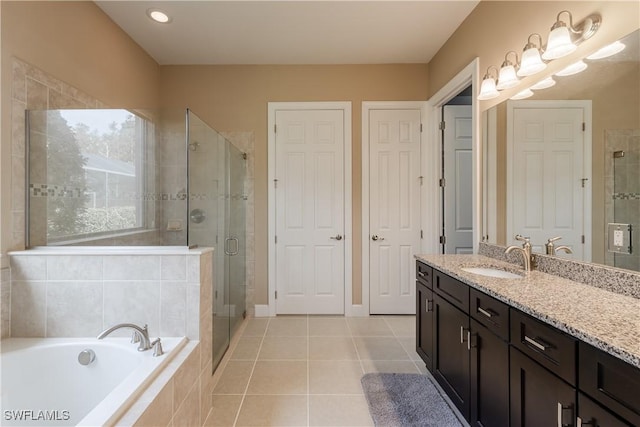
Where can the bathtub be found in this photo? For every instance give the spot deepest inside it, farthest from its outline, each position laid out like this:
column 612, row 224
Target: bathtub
column 43, row 383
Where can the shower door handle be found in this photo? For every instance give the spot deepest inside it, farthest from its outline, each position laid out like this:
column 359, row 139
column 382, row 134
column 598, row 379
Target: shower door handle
column 227, row 246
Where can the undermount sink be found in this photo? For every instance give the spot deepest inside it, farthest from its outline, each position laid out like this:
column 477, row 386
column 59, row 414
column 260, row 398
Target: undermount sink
column 492, row 272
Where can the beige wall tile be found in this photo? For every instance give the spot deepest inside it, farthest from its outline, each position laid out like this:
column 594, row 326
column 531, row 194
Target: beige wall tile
column 206, row 338
column 160, row 411
column 173, row 314
column 223, row 410
column 74, row 309
column 18, row 81
column 37, row 95
column 28, row 308
column 18, row 128
column 133, row 302
column 185, row 377
column 58, row 100
column 193, row 313
column 188, row 414
column 5, row 303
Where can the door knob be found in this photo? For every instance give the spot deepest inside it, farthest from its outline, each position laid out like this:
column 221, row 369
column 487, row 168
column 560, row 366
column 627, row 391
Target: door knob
column 337, row 237
column 375, row 237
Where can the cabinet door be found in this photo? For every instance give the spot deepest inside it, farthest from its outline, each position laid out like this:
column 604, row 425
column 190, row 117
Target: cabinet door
column 539, row 398
column 590, row 414
column 451, row 352
column 424, row 324
column 489, row 378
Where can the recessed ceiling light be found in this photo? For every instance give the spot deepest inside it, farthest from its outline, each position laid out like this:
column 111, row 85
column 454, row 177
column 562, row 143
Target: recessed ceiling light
column 158, row 16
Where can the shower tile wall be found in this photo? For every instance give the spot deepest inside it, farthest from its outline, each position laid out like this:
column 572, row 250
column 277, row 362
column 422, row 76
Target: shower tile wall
column 622, row 192
column 5, row 303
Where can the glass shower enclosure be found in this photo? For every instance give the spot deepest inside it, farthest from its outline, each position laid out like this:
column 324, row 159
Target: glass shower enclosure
column 216, row 211
column 117, row 177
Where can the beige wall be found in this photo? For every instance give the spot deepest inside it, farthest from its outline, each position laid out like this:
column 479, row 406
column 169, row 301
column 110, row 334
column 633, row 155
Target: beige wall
column 234, row 98
column 78, row 44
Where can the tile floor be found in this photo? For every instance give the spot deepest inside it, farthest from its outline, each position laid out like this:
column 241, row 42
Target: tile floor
column 306, row 370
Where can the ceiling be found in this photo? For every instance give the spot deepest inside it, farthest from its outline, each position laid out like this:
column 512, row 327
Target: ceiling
column 291, row 32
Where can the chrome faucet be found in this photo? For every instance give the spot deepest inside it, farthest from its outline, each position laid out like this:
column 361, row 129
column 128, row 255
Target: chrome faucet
column 140, row 335
column 551, row 249
column 525, row 250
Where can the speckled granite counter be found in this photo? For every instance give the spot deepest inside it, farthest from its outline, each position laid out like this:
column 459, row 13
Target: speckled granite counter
column 606, row 320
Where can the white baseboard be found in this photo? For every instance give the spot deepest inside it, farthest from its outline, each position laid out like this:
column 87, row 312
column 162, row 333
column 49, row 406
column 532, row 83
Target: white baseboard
column 262, row 310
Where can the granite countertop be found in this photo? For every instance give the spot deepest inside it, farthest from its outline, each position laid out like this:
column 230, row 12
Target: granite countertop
column 604, row 319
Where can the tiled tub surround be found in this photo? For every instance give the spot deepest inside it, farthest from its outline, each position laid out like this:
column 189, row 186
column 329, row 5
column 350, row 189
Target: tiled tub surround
column 607, row 320
column 5, row 303
column 60, row 291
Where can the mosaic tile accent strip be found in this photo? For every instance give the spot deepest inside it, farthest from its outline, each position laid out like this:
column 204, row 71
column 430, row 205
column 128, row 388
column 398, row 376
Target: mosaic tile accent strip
column 61, row 191
column 626, row 196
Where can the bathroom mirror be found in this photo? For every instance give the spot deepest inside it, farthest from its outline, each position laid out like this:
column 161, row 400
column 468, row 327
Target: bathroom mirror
column 608, row 92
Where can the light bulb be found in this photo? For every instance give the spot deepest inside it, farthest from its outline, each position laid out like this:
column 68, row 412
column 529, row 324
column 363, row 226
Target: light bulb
column 559, row 43
column 531, row 62
column 488, row 89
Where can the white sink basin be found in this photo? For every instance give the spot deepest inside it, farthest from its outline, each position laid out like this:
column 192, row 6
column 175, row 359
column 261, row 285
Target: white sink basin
column 492, row 272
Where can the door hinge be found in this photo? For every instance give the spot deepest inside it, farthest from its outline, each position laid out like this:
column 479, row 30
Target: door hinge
column 275, row 128
column 421, row 179
column 421, row 234
column 276, row 239
column 275, row 183
column 442, row 125
column 442, row 182
column 420, row 127
column 443, row 240
column 584, row 126
column 583, row 239
column 276, row 294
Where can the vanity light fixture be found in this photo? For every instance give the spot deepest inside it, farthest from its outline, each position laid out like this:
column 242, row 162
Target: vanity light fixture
column 522, row 94
column 507, row 77
column 543, row 84
column 531, row 61
column 488, row 88
column 158, row 16
column 608, row 50
column 561, row 43
column 572, row 69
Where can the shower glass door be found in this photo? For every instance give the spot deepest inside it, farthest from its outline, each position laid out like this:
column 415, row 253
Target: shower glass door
column 626, row 203
column 216, row 171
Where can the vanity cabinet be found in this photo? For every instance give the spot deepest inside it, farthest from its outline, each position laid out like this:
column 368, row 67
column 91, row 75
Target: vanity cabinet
column 502, row 367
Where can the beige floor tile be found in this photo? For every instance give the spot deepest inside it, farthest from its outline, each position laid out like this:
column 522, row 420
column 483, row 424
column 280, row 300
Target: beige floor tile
column 328, row 327
column 339, row 411
column 402, row 326
column 421, row 367
column 335, row 377
column 224, row 411
column 234, row 378
column 332, row 348
column 255, row 327
column 279, row 377
column 287, row 327
column 283, row 348
column 409, row 345
column 273, row 411
column 369, row 327
column 380, row 348
column 247, row 348
column 400, row 367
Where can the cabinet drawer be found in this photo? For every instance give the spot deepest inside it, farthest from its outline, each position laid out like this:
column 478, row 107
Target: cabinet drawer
column 593, row 415
column 454, row 291
column 610, row 381
column 490, row 312
column 550, row 347
column 424, row 274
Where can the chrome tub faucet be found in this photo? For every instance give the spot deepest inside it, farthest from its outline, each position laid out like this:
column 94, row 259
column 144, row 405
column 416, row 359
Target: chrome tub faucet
column 140, row 335
column 525, row 250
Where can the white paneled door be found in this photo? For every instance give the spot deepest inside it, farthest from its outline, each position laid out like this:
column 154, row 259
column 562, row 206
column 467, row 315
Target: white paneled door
column 547, row 177
column 394, row 209
column 458, row 180
column 310, row 211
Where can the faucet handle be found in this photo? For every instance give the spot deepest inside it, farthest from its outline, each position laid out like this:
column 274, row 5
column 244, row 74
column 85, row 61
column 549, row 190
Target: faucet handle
column 553, row 239
column 135, row 337
column 521, row 238
column 157, row 348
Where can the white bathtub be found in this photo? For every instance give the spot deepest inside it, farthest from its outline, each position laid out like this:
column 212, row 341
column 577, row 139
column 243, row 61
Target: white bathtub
column 42, row 382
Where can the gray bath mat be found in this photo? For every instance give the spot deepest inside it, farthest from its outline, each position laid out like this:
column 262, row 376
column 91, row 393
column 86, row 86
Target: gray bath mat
column 406, row 400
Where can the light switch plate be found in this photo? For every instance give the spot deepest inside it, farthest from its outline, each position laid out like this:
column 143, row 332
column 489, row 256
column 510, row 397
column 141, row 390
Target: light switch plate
column 619, row 238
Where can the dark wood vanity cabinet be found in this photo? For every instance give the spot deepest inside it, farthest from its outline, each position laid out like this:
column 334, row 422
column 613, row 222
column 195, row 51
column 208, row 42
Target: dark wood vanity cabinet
column 502, row 367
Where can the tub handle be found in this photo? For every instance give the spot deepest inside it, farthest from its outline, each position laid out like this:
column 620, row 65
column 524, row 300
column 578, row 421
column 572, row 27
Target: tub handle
column 86, row 357
column 157, row 348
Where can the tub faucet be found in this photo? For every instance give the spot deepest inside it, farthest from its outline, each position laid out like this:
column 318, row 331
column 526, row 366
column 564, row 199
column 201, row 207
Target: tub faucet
column 525, row 250
column 140, row 335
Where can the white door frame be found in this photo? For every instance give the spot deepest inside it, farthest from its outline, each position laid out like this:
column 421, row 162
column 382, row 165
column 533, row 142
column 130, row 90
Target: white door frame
column 270, row 308
column 587, row 169
column 367, row 106
column 432, row 162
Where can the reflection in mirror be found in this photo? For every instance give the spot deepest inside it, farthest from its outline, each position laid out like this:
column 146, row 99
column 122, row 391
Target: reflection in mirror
column 539, row 184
